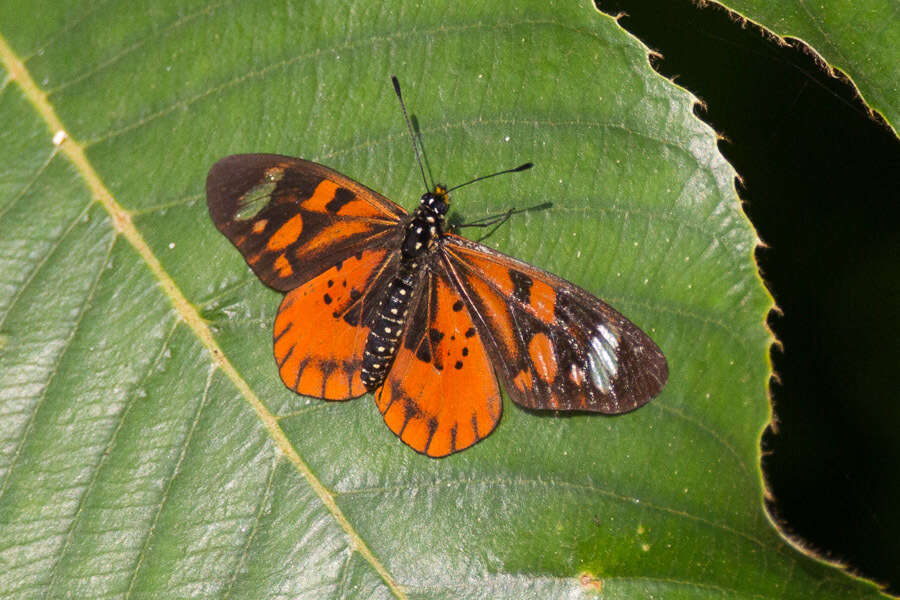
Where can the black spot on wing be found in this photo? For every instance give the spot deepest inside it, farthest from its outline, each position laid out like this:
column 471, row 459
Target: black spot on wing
column 341, row 197
column 351, row 317
column 521, row 286
column 424, row 352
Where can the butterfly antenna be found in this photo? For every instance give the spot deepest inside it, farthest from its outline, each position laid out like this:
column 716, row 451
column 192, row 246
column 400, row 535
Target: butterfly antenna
column 418, row 132
column 524, row 167
column 409, row 127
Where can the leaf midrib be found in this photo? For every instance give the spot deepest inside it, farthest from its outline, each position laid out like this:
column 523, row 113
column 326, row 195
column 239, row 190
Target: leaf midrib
column 123, row 225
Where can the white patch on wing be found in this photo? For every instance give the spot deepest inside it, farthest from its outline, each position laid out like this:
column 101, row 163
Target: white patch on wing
column 611, row 339
column 603, row 358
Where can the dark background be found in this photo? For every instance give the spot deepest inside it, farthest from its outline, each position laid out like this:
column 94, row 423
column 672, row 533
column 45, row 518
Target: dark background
column 820, row 179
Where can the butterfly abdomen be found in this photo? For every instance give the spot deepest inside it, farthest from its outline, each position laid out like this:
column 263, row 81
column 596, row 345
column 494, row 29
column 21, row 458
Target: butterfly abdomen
column 384, row 335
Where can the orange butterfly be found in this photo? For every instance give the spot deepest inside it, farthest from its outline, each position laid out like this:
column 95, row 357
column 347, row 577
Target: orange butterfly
column 380, row 300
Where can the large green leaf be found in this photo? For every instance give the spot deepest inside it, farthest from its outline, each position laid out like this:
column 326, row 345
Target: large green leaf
column 859, row 37
column 147, row 446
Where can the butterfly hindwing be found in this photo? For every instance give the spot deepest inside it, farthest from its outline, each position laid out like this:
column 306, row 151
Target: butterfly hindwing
column 554, row 345
column 321, row 328
column 441, row 395
column 292, row 219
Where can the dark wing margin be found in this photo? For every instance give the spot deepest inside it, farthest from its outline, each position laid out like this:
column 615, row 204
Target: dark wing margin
column 293, row 219
column 553, row 345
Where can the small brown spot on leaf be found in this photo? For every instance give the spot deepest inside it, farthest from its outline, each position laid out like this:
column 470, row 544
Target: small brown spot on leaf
column 591, row 583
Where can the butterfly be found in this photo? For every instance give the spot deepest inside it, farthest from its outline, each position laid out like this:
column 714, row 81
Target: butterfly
column 380, row 300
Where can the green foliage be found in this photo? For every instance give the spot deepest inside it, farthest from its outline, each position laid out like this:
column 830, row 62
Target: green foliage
column 134, row 462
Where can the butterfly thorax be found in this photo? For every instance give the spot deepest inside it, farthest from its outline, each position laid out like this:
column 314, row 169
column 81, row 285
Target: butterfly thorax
column 421, row 235
column 426, row 225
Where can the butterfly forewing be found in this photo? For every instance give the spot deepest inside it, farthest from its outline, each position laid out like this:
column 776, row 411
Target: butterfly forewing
column 554, row 345
column 293, row 219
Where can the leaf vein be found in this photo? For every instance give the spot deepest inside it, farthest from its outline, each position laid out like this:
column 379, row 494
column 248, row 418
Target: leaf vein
column 40, row 264
column 264, row 497
column 83, row 16
column 52, row 374
column 34, row 178
column 631, row 500
column 345, row 575
column 176, row 469
column 363, row 44
column 102, row 461
column 109, row 61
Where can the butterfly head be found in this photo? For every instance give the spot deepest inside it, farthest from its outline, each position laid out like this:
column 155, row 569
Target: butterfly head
column 437, row 201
